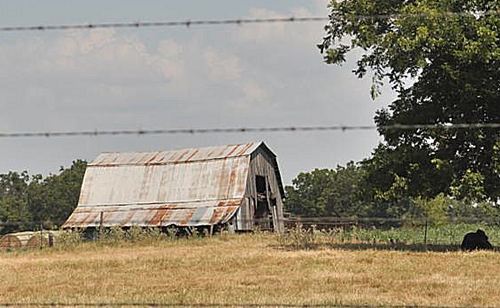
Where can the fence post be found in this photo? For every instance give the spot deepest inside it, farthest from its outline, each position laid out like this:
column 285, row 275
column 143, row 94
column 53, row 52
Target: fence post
column 41, row 235
column 100, row 224
column 425, row 232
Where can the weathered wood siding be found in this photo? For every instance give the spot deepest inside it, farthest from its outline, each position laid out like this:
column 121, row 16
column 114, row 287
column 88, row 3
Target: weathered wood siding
column 262, row 164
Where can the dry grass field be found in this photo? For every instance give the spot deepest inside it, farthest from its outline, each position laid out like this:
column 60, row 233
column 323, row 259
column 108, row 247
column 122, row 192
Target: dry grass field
column 246, row 269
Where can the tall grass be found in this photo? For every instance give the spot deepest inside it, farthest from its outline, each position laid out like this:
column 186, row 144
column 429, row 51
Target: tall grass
column 444, row 235
column 245, row 269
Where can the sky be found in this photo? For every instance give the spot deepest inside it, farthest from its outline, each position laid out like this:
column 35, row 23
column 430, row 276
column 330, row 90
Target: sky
column 176, row 77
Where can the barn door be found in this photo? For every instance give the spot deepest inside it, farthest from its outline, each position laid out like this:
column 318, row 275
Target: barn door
column 265, row 213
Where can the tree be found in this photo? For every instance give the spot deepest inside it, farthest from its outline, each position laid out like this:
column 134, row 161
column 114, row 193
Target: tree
column 327, row 192
column 54, row 198
column 442, row 57
column 26, row 202
column 14, row 212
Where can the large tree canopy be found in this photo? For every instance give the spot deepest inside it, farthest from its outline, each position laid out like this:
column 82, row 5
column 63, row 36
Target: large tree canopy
column 442, row 57
column 28, row 202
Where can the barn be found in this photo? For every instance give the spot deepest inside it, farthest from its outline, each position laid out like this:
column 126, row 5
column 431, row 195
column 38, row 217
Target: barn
column 234, row 186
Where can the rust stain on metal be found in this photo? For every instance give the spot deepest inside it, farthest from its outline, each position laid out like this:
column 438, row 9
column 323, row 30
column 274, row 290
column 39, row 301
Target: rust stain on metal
column 90, row 218
column 245, row 148
column 127, row 218
column 182, row 154
column 228, row 213
column 153, row 159
column 157, row 218
column 222, row 180
column 232, row 151
column 192, row 155
column 229, row 203
column 232, row 181
column 217, row 214
column 187, row 218
column 166, row 216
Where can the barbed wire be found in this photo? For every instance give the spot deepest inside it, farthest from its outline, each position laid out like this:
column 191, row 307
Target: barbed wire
column 186, row 23
column 239, row 21
column 289, row 129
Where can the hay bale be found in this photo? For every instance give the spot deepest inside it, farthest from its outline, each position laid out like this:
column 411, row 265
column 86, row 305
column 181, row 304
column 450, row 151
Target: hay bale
column 42, row 239
column 15, row 240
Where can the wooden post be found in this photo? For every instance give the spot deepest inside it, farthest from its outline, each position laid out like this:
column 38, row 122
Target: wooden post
column 425, row 232
column 101, row 218
column 41, row 235
column 51, row 239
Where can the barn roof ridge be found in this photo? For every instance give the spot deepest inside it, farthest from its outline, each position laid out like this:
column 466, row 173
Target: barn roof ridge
column 184, row 155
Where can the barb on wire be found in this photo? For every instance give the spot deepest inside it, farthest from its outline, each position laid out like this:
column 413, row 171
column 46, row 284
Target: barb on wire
column 289, row 129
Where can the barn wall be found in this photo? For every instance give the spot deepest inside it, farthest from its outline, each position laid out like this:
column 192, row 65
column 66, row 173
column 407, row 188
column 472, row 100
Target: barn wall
column 244, row 216
column 261, row 163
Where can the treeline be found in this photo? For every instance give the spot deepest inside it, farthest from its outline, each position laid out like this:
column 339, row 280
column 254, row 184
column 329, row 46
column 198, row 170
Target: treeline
column 366, row 190
column 27, row 201
column 371, row 188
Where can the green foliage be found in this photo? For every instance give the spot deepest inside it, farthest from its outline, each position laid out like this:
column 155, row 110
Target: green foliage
column 54, row 198
column 26, row 202
column 112, row 234
column 68, row 239
column 442, row 57
column 351, row 192
column 298, row 238
column 470, row 187
column 14, row 201
column 327, row 192
column 140, row 234
column 435, row 210
column 307, row 195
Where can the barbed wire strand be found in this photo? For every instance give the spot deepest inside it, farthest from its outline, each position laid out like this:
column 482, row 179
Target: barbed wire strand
column 186, row 23
column 240, row 21
column 289, row 129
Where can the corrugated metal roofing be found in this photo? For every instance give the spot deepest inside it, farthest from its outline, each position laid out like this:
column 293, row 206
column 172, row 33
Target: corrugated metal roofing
column 184, row 215
column 176, row 156
column 190, row 187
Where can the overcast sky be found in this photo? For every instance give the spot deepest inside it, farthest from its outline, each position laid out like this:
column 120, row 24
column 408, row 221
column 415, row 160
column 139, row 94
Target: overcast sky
column 202, row 77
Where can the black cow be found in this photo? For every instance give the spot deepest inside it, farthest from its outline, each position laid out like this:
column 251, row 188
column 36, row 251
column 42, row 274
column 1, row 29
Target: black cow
column 476, row 240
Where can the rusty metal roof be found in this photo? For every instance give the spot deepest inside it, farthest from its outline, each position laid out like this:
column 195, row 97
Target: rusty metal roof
column 176, row 156
column 158, row 215
column 190, row 187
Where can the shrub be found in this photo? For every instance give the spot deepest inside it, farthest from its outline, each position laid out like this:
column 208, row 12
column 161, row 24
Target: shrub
column 298, row 238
